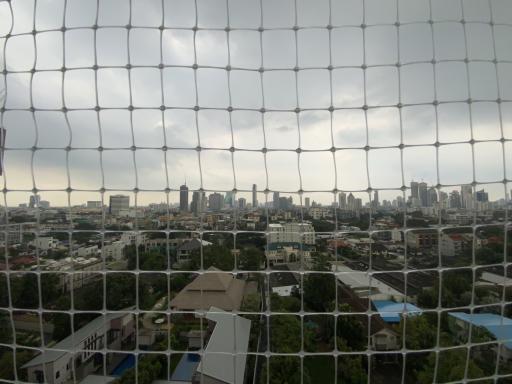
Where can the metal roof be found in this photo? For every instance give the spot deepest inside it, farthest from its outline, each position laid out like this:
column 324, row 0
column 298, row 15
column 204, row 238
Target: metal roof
column 224, row 357
column 499, row 326
column 390, row 311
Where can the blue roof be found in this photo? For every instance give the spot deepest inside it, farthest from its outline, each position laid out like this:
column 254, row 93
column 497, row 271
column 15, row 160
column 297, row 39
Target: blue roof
column 499, row 326
column 391, row 311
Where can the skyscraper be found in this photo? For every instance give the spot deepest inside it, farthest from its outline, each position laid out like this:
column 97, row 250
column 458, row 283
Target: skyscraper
column 351, row 202
column 466, row 192
column 34, row 201
column 342, row 200
column 242, row 203
column 423, row 194
column 307, row 203
column 482, row 196
column 431, row 197
column 455, row 201
column 254, row 196
column 375, row 201
column 118, row 203
column 216, row 201
column 183, row 198
column 414, row 190
column 198, row 204
column 275, row 199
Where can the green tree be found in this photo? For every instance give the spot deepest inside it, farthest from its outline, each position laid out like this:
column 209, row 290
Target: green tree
column 285, row 331
column 351, row 333
column 452, row 364
column 251, row 259
column 420, row 332
column 216, row 256
column 351, row 369
column 284, row 370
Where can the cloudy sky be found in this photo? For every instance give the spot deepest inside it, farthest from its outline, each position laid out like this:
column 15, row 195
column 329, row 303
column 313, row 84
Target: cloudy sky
column 279, row 89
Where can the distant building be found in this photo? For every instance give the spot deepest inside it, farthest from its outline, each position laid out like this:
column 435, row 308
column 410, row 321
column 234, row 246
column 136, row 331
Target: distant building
column 422, row 239
column 44, row 204
column 242, row 203
column 254, row 196
column 423, row 194
column 482, row 196
column 216, row 201
column 114, row 250
column 118, row 204
column 275, row 200
column 307, row 203
column 183, row 198
column 455, row 244
column 45, row 243
column 342, row 200
column 431, row 197
column 198, row 204
column 94, row 204
column 466, row 192
column 292, row 233
column 33, row 201
column 455, row 200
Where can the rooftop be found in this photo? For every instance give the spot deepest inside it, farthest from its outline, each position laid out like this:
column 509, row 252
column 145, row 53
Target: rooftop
column 499, row 326
column 391, row 311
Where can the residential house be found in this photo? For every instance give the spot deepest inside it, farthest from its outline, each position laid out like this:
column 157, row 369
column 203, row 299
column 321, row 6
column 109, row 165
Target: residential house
column 55, row 365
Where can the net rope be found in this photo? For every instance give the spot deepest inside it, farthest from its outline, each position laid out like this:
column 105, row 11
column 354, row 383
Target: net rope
column 168, row 151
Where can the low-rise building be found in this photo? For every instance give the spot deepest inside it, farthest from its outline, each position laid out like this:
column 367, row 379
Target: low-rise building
column 287, row 252
column 55, row 365
column 213, row 288
column 484, row 325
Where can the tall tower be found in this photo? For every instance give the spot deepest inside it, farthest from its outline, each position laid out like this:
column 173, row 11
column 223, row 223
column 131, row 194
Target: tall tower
column 254, row 196
column 183, row 198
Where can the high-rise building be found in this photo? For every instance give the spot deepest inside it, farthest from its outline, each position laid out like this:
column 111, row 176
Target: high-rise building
column 229, row 199
column 242, row 203
column 183, row 198
column 275, row 199
column 307, row 203
column 455, row 201
column 415, row 190
column 198, row 204
column 351, row 202
column 342, row 200
column 254, row 196
column 33, row 201
column 216, row 201
column 466, row 192
column 118, row 203
column 423, row 194
column 375, row 201
column 482, row 196
column 44, row 204
column 431, row 197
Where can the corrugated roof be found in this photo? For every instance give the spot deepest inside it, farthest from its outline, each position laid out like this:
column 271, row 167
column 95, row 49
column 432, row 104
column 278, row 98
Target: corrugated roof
column 391, row 311
column 499, row 326
column 225, row 356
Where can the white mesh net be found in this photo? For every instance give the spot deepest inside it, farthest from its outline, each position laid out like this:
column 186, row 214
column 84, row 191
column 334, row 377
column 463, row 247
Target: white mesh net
column 218, row 191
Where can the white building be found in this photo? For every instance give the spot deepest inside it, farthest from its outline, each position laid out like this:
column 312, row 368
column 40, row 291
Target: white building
column 114, row 250
column 119, row 204
column 292, row 233
column 55, row 365
column 45, row 243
